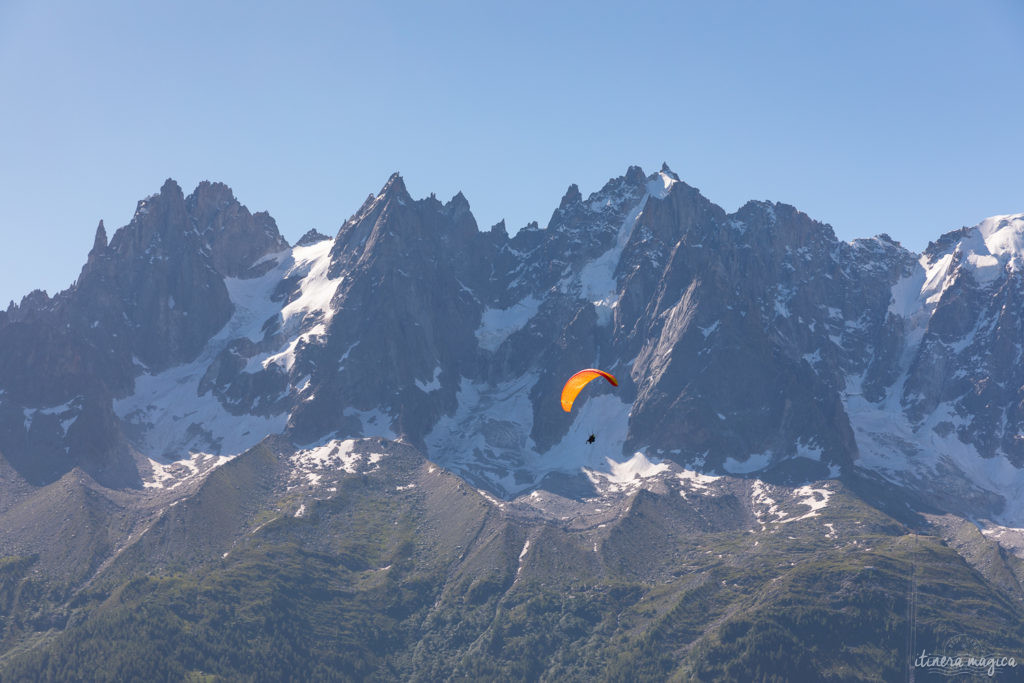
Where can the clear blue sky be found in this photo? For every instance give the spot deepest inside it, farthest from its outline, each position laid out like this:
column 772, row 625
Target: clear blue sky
column 898, row 117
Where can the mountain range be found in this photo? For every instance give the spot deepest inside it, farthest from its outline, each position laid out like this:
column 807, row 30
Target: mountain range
column 215, row 442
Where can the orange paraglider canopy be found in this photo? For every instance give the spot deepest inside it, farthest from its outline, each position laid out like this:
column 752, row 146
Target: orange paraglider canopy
column 580, row 380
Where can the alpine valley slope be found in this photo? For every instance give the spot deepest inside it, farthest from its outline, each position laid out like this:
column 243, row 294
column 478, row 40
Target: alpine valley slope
column 372, row 421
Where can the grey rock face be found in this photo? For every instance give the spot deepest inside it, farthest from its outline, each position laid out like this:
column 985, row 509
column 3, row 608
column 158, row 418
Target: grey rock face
column 749, row 328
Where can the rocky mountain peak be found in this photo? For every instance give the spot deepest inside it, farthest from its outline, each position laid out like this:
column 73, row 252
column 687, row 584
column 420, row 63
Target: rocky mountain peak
column 985, row 255
column 572, row 196
column 210, row 195
column 945, row 244
column 36, row 300
column 774, row 224
column 159, row 226
column 99, row 243
column 389, row 223
column 459, row 202
column 233, row 238
column 635, row 175
column 395, row 187
column 171, row 189
column 311, row 237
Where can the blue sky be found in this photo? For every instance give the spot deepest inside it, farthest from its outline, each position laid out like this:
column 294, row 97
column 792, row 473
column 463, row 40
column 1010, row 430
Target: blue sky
column 898, row 117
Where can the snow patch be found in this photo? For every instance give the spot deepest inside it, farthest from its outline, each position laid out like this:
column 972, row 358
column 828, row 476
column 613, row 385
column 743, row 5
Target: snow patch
column 763, row 505
column 171, row 474
column 906, row 293
column 630, row 471
column 316, row 288
column 1003, row 235
column 67, row 413
column 433, row 385
column 660, row 185
column 497, row 324
column 597, row 278
column 710, row 329
column 1008, row 537
column 695, row 481
column 304, row 319
column 167, row 416
column 488, row 433
column 522, row 556
column 809, row 451
column 767, row 509
column 312, row 464
column 373, row 423
column 344, row 356
column 986, row 269
column 755, row 462
column 816, row 499
column 937, row 278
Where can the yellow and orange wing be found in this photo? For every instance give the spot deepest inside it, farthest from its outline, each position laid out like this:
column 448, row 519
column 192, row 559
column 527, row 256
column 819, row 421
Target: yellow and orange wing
column 576, row 383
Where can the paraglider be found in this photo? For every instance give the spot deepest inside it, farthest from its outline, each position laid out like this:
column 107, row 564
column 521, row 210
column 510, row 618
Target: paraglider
column 576, row 383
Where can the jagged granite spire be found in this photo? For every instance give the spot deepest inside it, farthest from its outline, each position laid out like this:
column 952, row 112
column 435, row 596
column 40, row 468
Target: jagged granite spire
column 395, row 186
column 459, row 202
column 572, row 196
column 99, row 243
column 635, row 174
